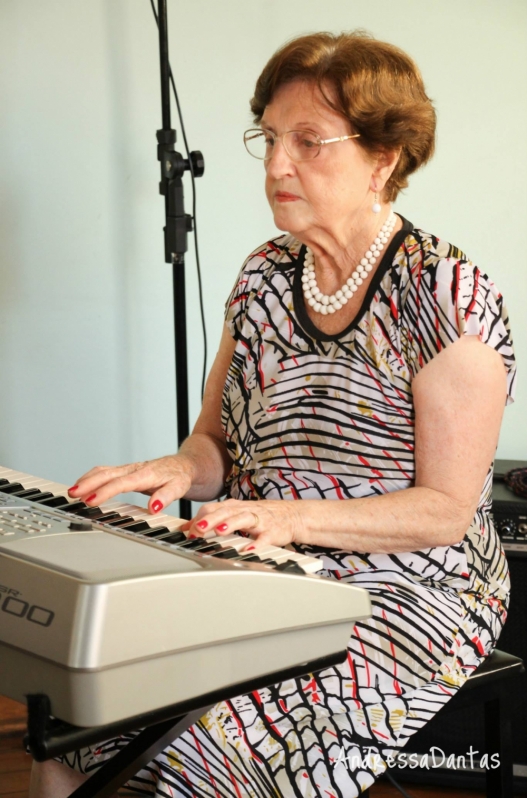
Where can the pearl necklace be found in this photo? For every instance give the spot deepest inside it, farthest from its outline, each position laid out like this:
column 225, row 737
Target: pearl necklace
column 323, row 303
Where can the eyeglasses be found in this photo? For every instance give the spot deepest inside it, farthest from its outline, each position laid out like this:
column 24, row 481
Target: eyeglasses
column 300, row 145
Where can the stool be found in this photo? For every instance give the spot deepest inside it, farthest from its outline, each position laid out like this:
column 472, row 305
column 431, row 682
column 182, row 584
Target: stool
column 486, row 686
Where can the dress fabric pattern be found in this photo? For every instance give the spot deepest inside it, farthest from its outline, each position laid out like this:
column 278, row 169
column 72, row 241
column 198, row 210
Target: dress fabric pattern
column 309, row 415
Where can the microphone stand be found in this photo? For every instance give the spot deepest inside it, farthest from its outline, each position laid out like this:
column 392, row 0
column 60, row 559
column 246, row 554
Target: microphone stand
column 178, row 225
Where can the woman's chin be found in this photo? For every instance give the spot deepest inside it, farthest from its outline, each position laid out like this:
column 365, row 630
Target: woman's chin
column 288, row 222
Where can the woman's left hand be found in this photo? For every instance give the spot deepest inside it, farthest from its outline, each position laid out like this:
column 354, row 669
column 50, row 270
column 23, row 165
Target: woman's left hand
column 273, row 522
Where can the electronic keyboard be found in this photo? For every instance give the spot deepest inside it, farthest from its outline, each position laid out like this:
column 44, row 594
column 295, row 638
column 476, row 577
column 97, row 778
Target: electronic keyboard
column 112, row 612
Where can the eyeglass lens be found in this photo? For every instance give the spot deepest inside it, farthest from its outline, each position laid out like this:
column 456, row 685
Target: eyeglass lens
column 299, row 144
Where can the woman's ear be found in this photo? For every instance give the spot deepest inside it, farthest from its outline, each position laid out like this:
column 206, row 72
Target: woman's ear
column 385, row 163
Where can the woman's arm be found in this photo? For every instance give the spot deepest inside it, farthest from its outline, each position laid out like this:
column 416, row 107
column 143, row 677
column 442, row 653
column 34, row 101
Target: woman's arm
column 459, row 398
column 199, row 469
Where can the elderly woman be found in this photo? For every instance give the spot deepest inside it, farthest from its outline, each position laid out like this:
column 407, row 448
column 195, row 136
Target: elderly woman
column 367, row 363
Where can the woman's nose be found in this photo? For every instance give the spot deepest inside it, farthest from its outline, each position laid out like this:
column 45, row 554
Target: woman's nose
column 280, row 162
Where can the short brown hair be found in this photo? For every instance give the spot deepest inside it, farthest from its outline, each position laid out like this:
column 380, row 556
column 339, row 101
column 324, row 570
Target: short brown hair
column 378, row 89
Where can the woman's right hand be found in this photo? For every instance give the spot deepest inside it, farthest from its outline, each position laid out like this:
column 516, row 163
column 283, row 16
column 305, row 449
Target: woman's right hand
column 164, row 480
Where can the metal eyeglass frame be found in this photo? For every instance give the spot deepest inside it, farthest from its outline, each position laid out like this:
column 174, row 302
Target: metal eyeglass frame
column 321, row 142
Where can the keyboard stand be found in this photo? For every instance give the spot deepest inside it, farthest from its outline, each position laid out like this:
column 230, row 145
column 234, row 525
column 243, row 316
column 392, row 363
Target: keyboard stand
column 48, row 737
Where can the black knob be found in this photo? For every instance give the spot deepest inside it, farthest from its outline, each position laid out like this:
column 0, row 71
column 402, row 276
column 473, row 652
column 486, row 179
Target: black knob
column 80, row 526
column 198, row 163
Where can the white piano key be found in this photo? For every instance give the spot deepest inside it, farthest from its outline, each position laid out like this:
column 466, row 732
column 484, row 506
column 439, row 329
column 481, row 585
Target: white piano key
column 308, row 564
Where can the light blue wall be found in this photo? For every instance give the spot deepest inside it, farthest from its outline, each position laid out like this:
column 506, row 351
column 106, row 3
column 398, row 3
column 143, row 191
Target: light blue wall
column 86, row 347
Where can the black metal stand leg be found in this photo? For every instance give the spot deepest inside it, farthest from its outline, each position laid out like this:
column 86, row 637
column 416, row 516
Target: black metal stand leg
column 498, row 740
column 141, row 750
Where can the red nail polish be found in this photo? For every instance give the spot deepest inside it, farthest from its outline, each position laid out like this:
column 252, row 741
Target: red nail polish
column 250, row 548
column 75, row 487
column 202, row 524
column 157, row 506
column 192, row 536
column 91, row 498
column 221, row 527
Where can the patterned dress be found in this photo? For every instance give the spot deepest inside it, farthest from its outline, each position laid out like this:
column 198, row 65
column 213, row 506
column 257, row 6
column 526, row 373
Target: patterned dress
column 317, row 416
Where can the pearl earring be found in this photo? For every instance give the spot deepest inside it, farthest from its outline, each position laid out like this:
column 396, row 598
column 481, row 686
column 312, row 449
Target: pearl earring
column 376, row 208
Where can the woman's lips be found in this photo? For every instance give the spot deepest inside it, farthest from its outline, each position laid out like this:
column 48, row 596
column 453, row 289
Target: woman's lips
column 284, row 196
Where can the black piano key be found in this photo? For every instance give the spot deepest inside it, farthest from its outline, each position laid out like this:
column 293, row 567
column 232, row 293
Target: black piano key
column 157, row 532
column 91, row 512
column 4, row 481
column 43, row 496
column 11, row 487
column 209, row 548
column 193, row 543
column 123, row 519
column 227, row 554
column 29, row 493
column 108, row 517
column 137, row 526
column 290, row 567
column 74, row 507
column 175, row 537
column 54, row 501
column 250, row 558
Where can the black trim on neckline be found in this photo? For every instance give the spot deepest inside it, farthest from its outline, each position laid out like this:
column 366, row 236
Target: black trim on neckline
column 298, row 293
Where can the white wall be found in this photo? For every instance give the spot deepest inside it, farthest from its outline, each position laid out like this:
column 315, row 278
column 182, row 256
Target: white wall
column 86, row 346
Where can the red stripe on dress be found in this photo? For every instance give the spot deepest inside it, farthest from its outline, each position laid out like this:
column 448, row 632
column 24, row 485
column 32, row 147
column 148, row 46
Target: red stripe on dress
column 233, row 780
column 241, row 728
column 337, row 486
column 200, row 751
column 260, row 370
column 474, row 295
column 365, row 658
column 238, row 299
column 399, row 466
column 293, row 489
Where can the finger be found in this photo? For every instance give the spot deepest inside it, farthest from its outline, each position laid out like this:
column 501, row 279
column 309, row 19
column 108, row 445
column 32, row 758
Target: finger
column 135, row 481
column 98, row 476
column 221, row 522
column 260, row 541
column 173, row 490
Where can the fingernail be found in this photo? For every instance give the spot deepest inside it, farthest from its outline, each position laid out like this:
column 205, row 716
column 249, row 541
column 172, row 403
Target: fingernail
column 192, row 536
column 221, row 527
column 249, row 548
column 157, row 506
column 202, row 524
column 91, row 498
column 75, row 487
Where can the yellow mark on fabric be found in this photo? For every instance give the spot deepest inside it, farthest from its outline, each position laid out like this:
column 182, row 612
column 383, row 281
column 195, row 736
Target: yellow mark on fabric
column 397, row 718
column 175, row 762
column 364, row 408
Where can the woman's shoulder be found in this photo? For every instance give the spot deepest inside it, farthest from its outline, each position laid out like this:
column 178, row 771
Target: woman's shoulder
column 428, row 249
column 424, row 260
column 281, row 251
